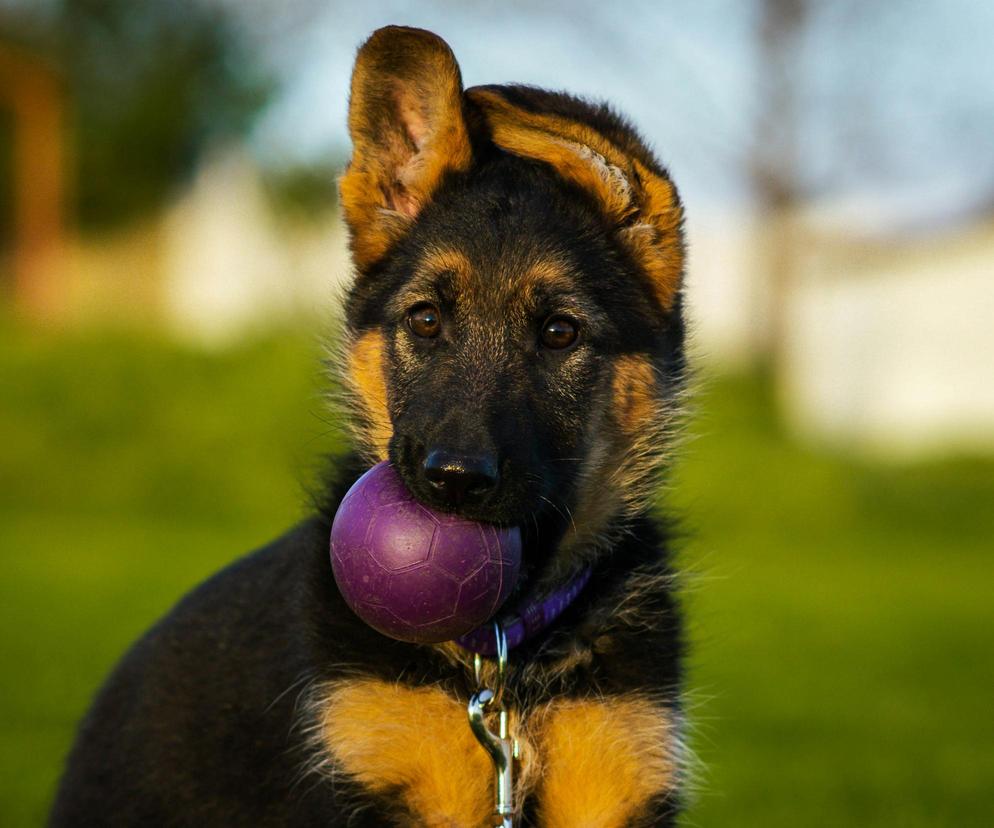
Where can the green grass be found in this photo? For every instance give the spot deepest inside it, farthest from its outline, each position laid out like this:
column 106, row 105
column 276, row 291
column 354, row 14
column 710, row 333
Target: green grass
column 843, row 627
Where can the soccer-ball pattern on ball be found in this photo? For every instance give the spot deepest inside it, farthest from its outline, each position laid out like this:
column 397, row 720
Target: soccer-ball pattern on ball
column 414, row 573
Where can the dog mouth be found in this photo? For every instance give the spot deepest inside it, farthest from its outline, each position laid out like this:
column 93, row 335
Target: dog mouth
column 472, row 486
column 533, row 499
column 541, row 534
column 541, row 522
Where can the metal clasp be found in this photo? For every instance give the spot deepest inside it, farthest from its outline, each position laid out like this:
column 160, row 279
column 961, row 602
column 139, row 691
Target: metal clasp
column 500, row 747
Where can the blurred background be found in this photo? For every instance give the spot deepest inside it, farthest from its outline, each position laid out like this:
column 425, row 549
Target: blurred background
column 170, row 254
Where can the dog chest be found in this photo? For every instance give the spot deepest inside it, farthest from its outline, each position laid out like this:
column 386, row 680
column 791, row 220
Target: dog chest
column 594, row 762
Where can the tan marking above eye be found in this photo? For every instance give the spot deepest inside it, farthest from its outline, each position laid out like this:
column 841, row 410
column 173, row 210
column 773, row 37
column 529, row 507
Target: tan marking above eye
column 551, row 272
column 438, row 261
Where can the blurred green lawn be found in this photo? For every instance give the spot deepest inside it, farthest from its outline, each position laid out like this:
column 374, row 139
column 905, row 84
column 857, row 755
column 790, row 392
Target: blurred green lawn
column 842, row 614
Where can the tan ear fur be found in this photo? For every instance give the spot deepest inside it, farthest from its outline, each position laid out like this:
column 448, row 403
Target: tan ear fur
column 408, row 130
column 643, row 204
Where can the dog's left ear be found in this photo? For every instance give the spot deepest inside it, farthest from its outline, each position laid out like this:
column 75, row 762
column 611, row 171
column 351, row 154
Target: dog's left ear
column 408, row 131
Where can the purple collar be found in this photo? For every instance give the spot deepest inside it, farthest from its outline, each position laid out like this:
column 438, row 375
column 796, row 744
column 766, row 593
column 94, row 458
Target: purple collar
column 531, row 615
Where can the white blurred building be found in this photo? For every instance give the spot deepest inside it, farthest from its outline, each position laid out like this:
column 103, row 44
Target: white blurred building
column 890, row 346
column 231, row 267
column 888, row 343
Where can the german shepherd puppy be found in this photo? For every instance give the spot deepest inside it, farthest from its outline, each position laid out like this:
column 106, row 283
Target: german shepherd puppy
column 516, row 312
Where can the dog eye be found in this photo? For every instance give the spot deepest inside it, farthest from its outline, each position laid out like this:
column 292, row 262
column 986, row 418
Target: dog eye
column 424, row 320
column 559, row 332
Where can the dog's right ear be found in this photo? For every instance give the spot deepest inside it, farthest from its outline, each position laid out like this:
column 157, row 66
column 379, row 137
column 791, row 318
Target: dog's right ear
column 408, row 131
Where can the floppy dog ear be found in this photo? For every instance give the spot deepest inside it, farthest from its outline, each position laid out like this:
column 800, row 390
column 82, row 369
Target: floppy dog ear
column 408, row 130
column 633, row 192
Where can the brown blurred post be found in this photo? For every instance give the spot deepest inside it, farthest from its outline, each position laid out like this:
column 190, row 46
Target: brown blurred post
column 774, row 163
column 34, row 94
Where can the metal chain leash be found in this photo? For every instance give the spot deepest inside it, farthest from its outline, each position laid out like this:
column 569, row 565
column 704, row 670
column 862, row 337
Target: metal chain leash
column 500, row 746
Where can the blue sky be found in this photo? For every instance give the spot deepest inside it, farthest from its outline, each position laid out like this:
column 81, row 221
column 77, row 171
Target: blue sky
column 895, row 96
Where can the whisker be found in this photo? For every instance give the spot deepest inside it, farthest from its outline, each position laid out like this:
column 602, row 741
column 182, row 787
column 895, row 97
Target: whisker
column 567, row 516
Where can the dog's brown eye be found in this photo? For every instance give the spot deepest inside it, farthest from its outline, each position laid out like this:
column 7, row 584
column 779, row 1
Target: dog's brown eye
column 559, row 332
column 424, row 320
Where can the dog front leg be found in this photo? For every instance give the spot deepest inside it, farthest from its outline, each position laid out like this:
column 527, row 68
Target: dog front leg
column 608, row 762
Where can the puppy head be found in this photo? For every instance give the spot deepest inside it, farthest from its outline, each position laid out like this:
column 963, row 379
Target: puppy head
column 514, row 333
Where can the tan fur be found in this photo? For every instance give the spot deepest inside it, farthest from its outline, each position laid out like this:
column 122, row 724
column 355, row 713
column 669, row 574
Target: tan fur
column 414, row 743
column 448, row 260
column 603, row 761
column 635, row 397
column 513, row 126
column 521, row 275
column 408, row 131
column 578, row 152
column 548, row 273
column 590, row 763
column 652, row 239
column 367, row 383
column 641, row 203
column 619, row 473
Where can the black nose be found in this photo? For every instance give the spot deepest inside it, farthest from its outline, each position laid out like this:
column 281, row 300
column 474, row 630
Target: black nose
column 459, row 477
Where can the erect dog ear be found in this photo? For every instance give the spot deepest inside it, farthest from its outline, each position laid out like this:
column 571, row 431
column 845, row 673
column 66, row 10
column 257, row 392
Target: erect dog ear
column 408, row 130
column 633, row 192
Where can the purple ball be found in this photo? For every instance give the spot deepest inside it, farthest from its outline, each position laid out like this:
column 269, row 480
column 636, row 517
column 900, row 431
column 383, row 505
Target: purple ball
column 413, row 573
